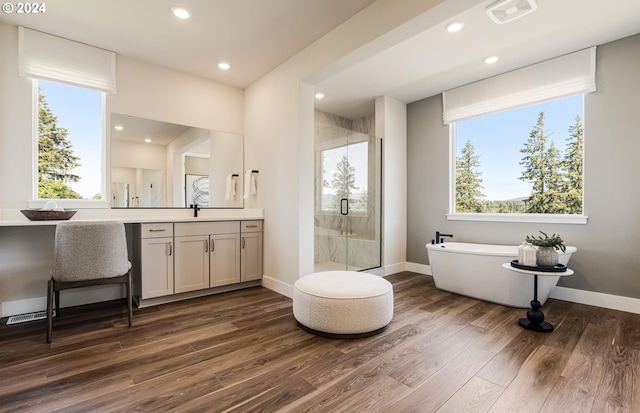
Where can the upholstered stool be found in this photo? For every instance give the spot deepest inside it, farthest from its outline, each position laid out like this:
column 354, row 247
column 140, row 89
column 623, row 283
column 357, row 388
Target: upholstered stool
column 343, row 304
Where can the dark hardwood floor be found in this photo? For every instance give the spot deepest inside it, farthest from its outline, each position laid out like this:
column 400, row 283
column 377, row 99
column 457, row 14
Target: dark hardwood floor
column 242, row 352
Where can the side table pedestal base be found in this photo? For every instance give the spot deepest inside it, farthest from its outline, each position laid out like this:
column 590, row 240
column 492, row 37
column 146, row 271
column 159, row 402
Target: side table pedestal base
column 542, row 327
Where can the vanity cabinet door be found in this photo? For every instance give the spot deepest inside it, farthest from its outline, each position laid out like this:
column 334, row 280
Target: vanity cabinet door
column 225, row 259
column 251, row 256
column 191, row 263
column 156, row 255
column 251, row 250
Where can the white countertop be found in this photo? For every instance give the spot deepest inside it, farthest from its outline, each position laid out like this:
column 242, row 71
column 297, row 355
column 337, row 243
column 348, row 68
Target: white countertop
column 14, row 218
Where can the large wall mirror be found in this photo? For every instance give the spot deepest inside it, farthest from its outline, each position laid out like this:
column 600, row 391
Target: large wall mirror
column 157, row 164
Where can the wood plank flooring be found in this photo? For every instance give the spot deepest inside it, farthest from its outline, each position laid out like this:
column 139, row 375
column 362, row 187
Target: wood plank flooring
column 242, row 352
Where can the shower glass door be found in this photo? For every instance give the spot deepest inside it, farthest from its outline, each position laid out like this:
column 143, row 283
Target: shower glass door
column 347, row 205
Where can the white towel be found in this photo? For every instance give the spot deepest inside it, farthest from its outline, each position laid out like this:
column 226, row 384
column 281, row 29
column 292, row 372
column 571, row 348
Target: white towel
column 51, row 206
column 254, row 183
column 230, row 191
column 247, row 183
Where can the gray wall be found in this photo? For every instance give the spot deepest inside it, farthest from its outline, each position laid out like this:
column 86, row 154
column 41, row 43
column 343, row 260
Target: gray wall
column 608, row 257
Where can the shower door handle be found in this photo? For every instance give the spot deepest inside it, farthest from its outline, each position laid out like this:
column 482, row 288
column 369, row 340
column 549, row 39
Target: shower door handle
column 344, row 206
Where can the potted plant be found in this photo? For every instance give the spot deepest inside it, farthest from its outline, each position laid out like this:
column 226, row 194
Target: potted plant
column 547, row 254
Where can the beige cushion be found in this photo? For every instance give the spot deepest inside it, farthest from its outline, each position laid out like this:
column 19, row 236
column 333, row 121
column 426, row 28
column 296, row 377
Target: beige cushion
column 343, row 302
column 89, row 250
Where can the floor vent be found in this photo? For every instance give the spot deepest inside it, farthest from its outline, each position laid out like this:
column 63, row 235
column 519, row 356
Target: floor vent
column 23, row 318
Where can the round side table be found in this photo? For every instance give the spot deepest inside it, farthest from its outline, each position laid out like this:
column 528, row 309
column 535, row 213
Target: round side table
column 535, row 318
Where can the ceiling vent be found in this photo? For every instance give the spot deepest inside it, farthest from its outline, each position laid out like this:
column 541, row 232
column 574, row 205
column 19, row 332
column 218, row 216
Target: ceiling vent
column 504, row 11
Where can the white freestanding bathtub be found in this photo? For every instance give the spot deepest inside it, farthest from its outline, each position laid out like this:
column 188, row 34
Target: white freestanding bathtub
column 475, row 270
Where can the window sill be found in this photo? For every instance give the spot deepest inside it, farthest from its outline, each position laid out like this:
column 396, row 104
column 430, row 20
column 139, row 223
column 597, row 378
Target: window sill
column 71, row 203
column 537, row 218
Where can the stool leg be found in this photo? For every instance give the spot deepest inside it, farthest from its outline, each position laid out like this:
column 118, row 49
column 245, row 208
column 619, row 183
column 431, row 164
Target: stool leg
column 50, row 295
column 129, row 300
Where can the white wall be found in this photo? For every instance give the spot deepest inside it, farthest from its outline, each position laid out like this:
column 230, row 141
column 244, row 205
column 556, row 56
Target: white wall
column 143, row 90
column 607, row 260
column 391, row 125
column 279, row 130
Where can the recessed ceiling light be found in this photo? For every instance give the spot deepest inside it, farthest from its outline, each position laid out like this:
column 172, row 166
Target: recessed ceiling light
column 148, row 140
column 491, row 59
column 319, row 95
column 181, row 12
column 224, row 66
column 454, row 27
column 118, row 127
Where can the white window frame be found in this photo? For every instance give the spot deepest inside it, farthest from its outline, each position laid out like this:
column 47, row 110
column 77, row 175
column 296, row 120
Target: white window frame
column 105, row 189
column 522, row 218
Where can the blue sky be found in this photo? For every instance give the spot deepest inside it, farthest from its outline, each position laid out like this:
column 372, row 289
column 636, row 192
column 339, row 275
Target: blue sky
column 498, row 138
column 80, row 111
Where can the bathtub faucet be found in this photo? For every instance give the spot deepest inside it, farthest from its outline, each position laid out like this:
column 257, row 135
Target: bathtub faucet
column 440, row 237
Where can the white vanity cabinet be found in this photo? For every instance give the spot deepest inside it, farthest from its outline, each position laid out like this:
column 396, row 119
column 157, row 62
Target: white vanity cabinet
column 153, row 259
column 179, row 260
column 207, row 255
column 250, row 250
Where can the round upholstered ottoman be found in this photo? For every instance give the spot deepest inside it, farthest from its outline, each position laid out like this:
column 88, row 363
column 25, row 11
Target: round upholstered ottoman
column 343, row 303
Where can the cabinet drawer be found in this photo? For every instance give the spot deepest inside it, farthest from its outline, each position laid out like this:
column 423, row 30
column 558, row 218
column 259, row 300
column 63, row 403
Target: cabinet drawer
column 162, row 229
column 205, row 228
column 251, row 226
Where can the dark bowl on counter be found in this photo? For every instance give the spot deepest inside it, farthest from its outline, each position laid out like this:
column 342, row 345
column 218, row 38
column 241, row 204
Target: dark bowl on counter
column 40, row 215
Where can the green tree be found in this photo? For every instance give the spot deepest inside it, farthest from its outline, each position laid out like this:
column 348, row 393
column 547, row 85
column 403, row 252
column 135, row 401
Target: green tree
column 554, row 196
column 572, row 167
column 468, row 181
column 542, row 168
column 55, row 156
column 533, row 162
column 343, row 182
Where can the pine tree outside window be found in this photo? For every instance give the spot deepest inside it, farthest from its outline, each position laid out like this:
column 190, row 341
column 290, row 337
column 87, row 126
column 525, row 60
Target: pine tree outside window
column 344, row 175
column 521, row 162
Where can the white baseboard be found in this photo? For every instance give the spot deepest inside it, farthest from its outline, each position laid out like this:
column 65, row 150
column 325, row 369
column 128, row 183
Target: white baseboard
column 277, row 286
column 394, row 268
column 613, row 302
column 68, row 298
column 419, row 268
column 287, row 289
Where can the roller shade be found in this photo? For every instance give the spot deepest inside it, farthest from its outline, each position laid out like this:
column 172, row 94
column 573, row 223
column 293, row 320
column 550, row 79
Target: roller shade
column 43, row 56
column 563, row 76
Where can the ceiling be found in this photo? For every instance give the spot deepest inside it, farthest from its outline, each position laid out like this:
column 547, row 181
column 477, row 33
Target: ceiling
column 134, row 129
column 255, row 36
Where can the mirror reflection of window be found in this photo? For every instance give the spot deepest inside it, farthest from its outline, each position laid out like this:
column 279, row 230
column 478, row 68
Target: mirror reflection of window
column 176, row 151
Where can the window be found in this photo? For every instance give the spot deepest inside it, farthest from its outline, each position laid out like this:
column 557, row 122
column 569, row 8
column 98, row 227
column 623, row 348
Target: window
column 345, row 175
column 69, row 142
column 517, row 142
column 521, row 161
column 69, row 147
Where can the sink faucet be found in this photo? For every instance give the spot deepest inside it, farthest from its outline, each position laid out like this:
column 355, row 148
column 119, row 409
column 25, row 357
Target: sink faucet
column 196, row 208
column 440, row 237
